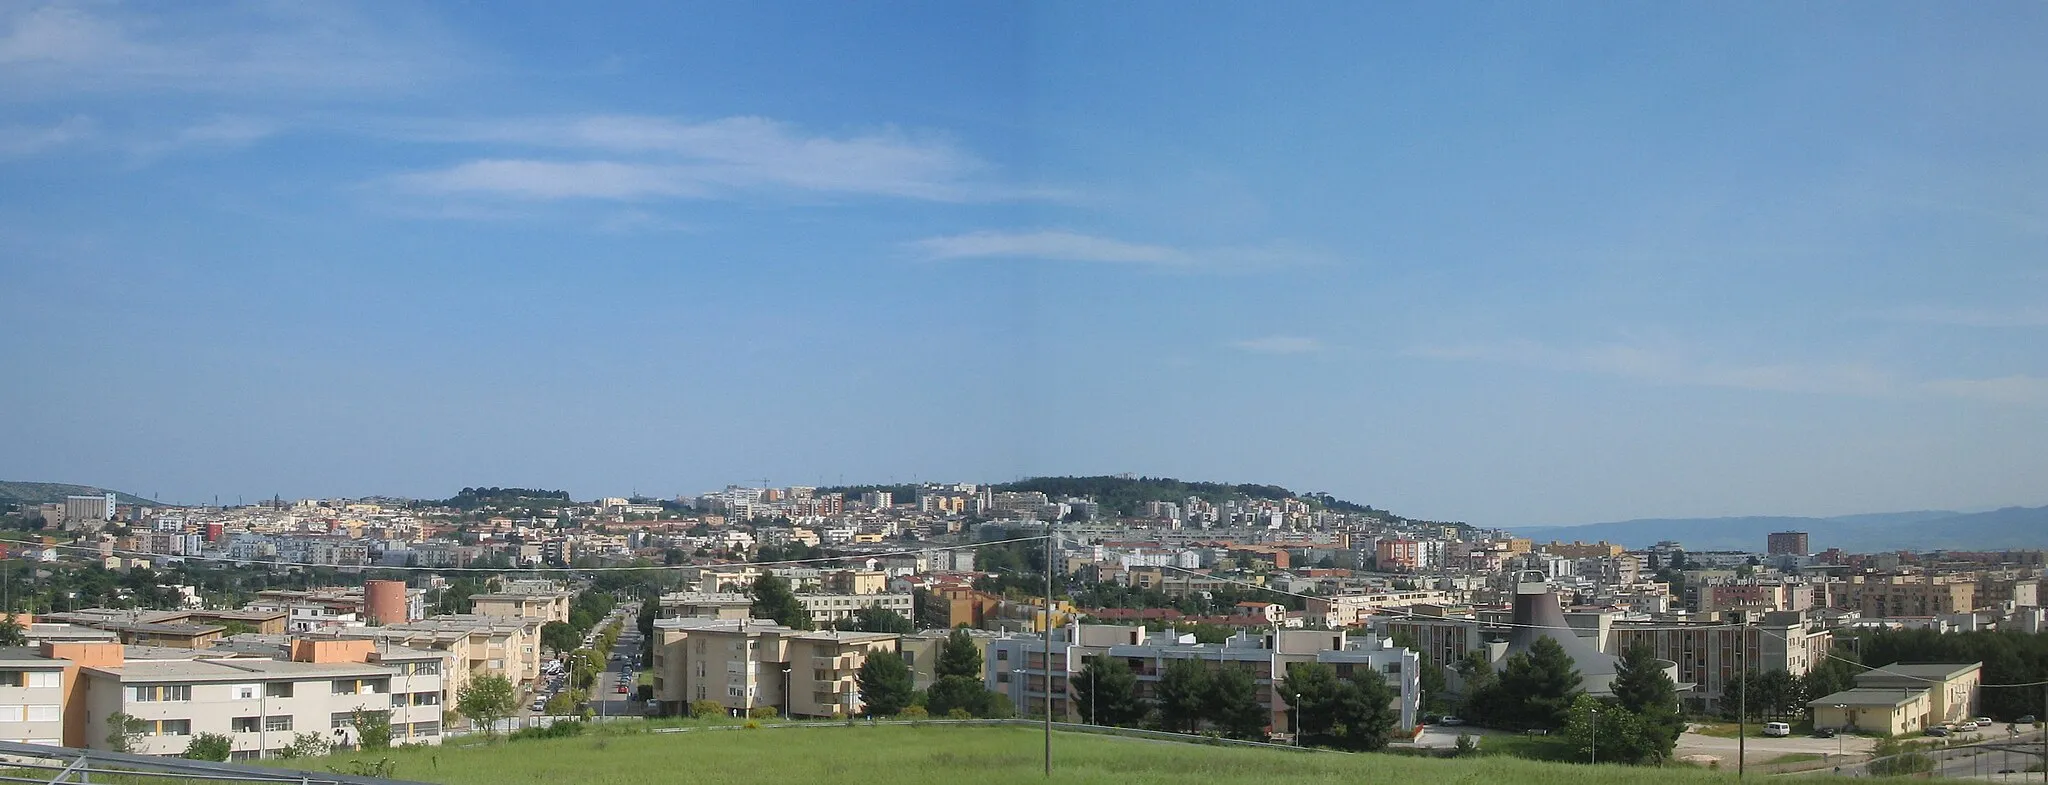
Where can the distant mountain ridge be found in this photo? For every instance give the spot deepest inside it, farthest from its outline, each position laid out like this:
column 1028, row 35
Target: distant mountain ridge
column 54, row 492
column 1919, row 530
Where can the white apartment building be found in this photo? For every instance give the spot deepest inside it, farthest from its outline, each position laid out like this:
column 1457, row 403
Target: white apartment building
column 828, row 608
column 31, row 698
column 743, row 665
column 261, row 703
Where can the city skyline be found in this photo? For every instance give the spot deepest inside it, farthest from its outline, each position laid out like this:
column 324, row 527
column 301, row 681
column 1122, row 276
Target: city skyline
column 1509, row 267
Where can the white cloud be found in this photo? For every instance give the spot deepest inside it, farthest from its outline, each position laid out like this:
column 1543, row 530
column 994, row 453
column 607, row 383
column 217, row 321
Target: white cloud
column 2031, row 316
column 284, row 49
column 1058, row 245
column 736, row 154
column 1066, row 246
column 1278, row 344
column 553, row 180
column 21, row 140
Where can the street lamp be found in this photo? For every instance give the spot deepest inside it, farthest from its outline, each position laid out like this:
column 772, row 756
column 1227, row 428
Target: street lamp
column 1297, row 719
column 1596, row 736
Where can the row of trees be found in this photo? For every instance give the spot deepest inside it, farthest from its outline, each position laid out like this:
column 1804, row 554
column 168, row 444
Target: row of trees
column 888, row 688
column 1541, row 689
column 1355, row 712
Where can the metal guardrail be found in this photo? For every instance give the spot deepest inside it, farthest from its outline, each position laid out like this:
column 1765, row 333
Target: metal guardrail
column 71, row 764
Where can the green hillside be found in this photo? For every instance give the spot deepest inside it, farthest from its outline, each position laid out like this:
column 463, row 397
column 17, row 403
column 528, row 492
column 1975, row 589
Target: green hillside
column 953, row 755
column 48, row 492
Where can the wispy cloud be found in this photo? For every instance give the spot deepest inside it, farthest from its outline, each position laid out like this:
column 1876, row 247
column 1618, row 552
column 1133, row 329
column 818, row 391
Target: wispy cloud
column 1672, row 367
column 1278, row 344
column 640, row 157
column 285, row 49
column 2026, row 316
column 24, row 140
column 1066, row 246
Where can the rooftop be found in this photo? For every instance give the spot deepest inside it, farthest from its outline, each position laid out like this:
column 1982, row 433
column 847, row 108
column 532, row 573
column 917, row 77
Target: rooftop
column 233, row 670
column 1869, row 696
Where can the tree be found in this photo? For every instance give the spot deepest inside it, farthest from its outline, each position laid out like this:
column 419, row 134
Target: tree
column 1364, row 711
column 959, row 656
column 559, row 636
column 1772, row 693
column 1183, row 692
column 1643, row 689
column 209, row 746
column 872, row 619
column 774, row 600
column 1536, row 689
column 373, row 729
column 930, row 609
column 964, row 694
column 310, row 744
column 11, row 631
column 1606, row 732
column 1233, row 704
column 1107, row 692
column 885, row 684
column 485, row 700
column 125, row 732
column 1310, row 688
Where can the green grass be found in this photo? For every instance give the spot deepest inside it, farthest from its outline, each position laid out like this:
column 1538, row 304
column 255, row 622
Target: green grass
column 949, row 755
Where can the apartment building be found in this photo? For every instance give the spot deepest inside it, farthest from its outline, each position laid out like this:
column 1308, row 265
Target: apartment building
column 706, row 605
column 31, row 697
column 1346, row 610
column 825, row 609
column 474, row 645
column 1711, row 652
column 743, row 664
column 541, row 600
column 1880, row 596
column 1017, row 665
column 262, row 703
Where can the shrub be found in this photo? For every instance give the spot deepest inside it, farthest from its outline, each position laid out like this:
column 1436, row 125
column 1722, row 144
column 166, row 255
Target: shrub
column 1467, row 746
column 763, row 713
column 913, row 713
column 751, row 725
column 959, row 714
column 706, row 710
column 559, row 730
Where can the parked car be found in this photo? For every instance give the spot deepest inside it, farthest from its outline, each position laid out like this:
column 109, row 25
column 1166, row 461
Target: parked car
column 1937, row 731
column 1824, row 733
column 622, row 689
column 1967, row 725
column 1984, row 722
column 1777, row 729
column 1444, row 721
column 2027, row 720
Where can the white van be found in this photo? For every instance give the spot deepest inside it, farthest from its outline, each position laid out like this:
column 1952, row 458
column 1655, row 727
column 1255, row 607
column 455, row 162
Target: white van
column 1777, row 729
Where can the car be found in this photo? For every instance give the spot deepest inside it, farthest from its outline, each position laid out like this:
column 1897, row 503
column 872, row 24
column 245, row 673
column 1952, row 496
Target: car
column 1445, row 721
column 1824, row 733
column 622, row 689
column 1984, row 722
column 1936, row 731
column 2027, row 720
column 1967, row 725
column 1777, row 729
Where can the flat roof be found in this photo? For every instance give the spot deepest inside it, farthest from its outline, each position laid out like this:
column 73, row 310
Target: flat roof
column 1869, row 696
column 24, row 657
column 1928, row 671
column 235, row 670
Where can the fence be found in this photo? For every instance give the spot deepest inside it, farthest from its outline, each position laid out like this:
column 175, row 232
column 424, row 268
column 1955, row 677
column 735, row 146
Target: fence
column 51, row 765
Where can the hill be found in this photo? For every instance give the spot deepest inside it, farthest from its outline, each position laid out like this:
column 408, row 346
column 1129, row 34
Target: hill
column 50, row 492
column 950, row 755
column 1922, row 530
column 1127, row 495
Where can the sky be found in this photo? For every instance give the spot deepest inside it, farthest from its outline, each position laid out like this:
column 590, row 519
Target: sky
column 1509, row 264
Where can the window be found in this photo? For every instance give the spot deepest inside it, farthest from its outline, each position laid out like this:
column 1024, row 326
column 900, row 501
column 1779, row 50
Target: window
column 31, row 679
column 277, row 722
column 245, row 724
column 45, row 712
column 426, row 729
column 169, row 728
column 11, row 678
column 342, row 719
column 1003, row 655
column 426, row 699
column 426, row 669
column 160, row 692
column 278, row 689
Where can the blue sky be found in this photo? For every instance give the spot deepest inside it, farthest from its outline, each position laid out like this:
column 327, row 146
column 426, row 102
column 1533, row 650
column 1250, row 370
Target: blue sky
column 1497, row 263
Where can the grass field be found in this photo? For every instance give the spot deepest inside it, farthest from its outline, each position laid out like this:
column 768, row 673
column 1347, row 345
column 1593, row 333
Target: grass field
column 952, row 755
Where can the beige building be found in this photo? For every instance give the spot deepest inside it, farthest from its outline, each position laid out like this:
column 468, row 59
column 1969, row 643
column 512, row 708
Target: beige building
column 706, row 605
column 1881, row 711
column 546, row 603
column 31, row 697
column 1881, row 596
column 1897, row 699
column 743, row 665
column 475, row 645
column 262, row 703
column 829, row 608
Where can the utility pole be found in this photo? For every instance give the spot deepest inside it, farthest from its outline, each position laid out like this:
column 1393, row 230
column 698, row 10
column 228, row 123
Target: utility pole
column 1742, row 698
column 1596, row 737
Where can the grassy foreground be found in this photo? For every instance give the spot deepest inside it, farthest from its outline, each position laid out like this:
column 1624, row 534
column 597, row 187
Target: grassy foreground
column 953, row 755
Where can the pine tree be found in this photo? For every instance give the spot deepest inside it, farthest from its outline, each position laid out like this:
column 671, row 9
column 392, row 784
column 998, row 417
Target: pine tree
column 885, row 684
column 1234, row 705
column 1364, row 711
column 1107, row 693
column 773, row 600
column 959, row 656
column 1642, row 688
column 1311, row 690
column 1183, row 694
column 1536, row 689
